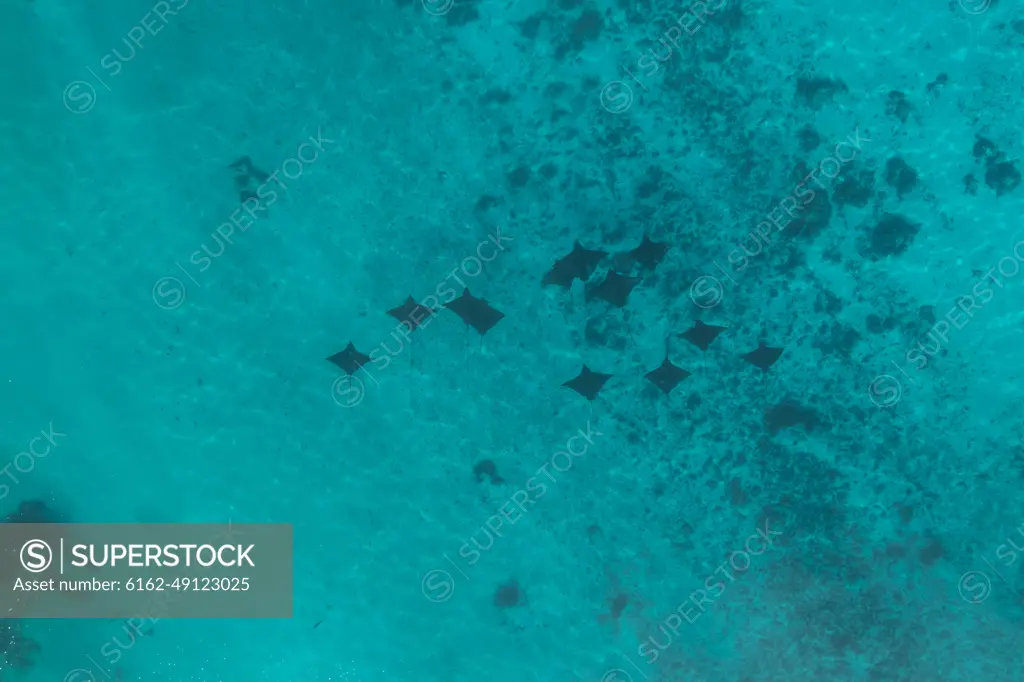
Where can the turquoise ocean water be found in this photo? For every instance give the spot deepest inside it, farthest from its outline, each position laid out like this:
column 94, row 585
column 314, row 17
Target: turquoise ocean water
column 839, row 181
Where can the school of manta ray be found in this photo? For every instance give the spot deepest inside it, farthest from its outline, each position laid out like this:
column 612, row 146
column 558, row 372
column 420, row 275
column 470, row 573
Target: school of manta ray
column 612, row 287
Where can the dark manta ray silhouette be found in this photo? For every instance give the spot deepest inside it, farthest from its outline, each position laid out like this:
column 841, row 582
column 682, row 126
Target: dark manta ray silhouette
column 649, row 254
column 244, row 168
column 411, row 314
column 32, row 511
column 242, row 165
column 476, row 312
column 702, row 335
column 349, row 360
column 245, row 174
column 588, row 383
column 667, row 376
column 579, row 264
column 764, row 357
column 615, row 289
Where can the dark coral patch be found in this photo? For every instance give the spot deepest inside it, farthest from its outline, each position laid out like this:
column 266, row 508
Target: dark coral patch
column 815, row 92
column 788, row 414
column 508, row 595
column 900, row 176
column 891, row 236
column 1002, row 177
